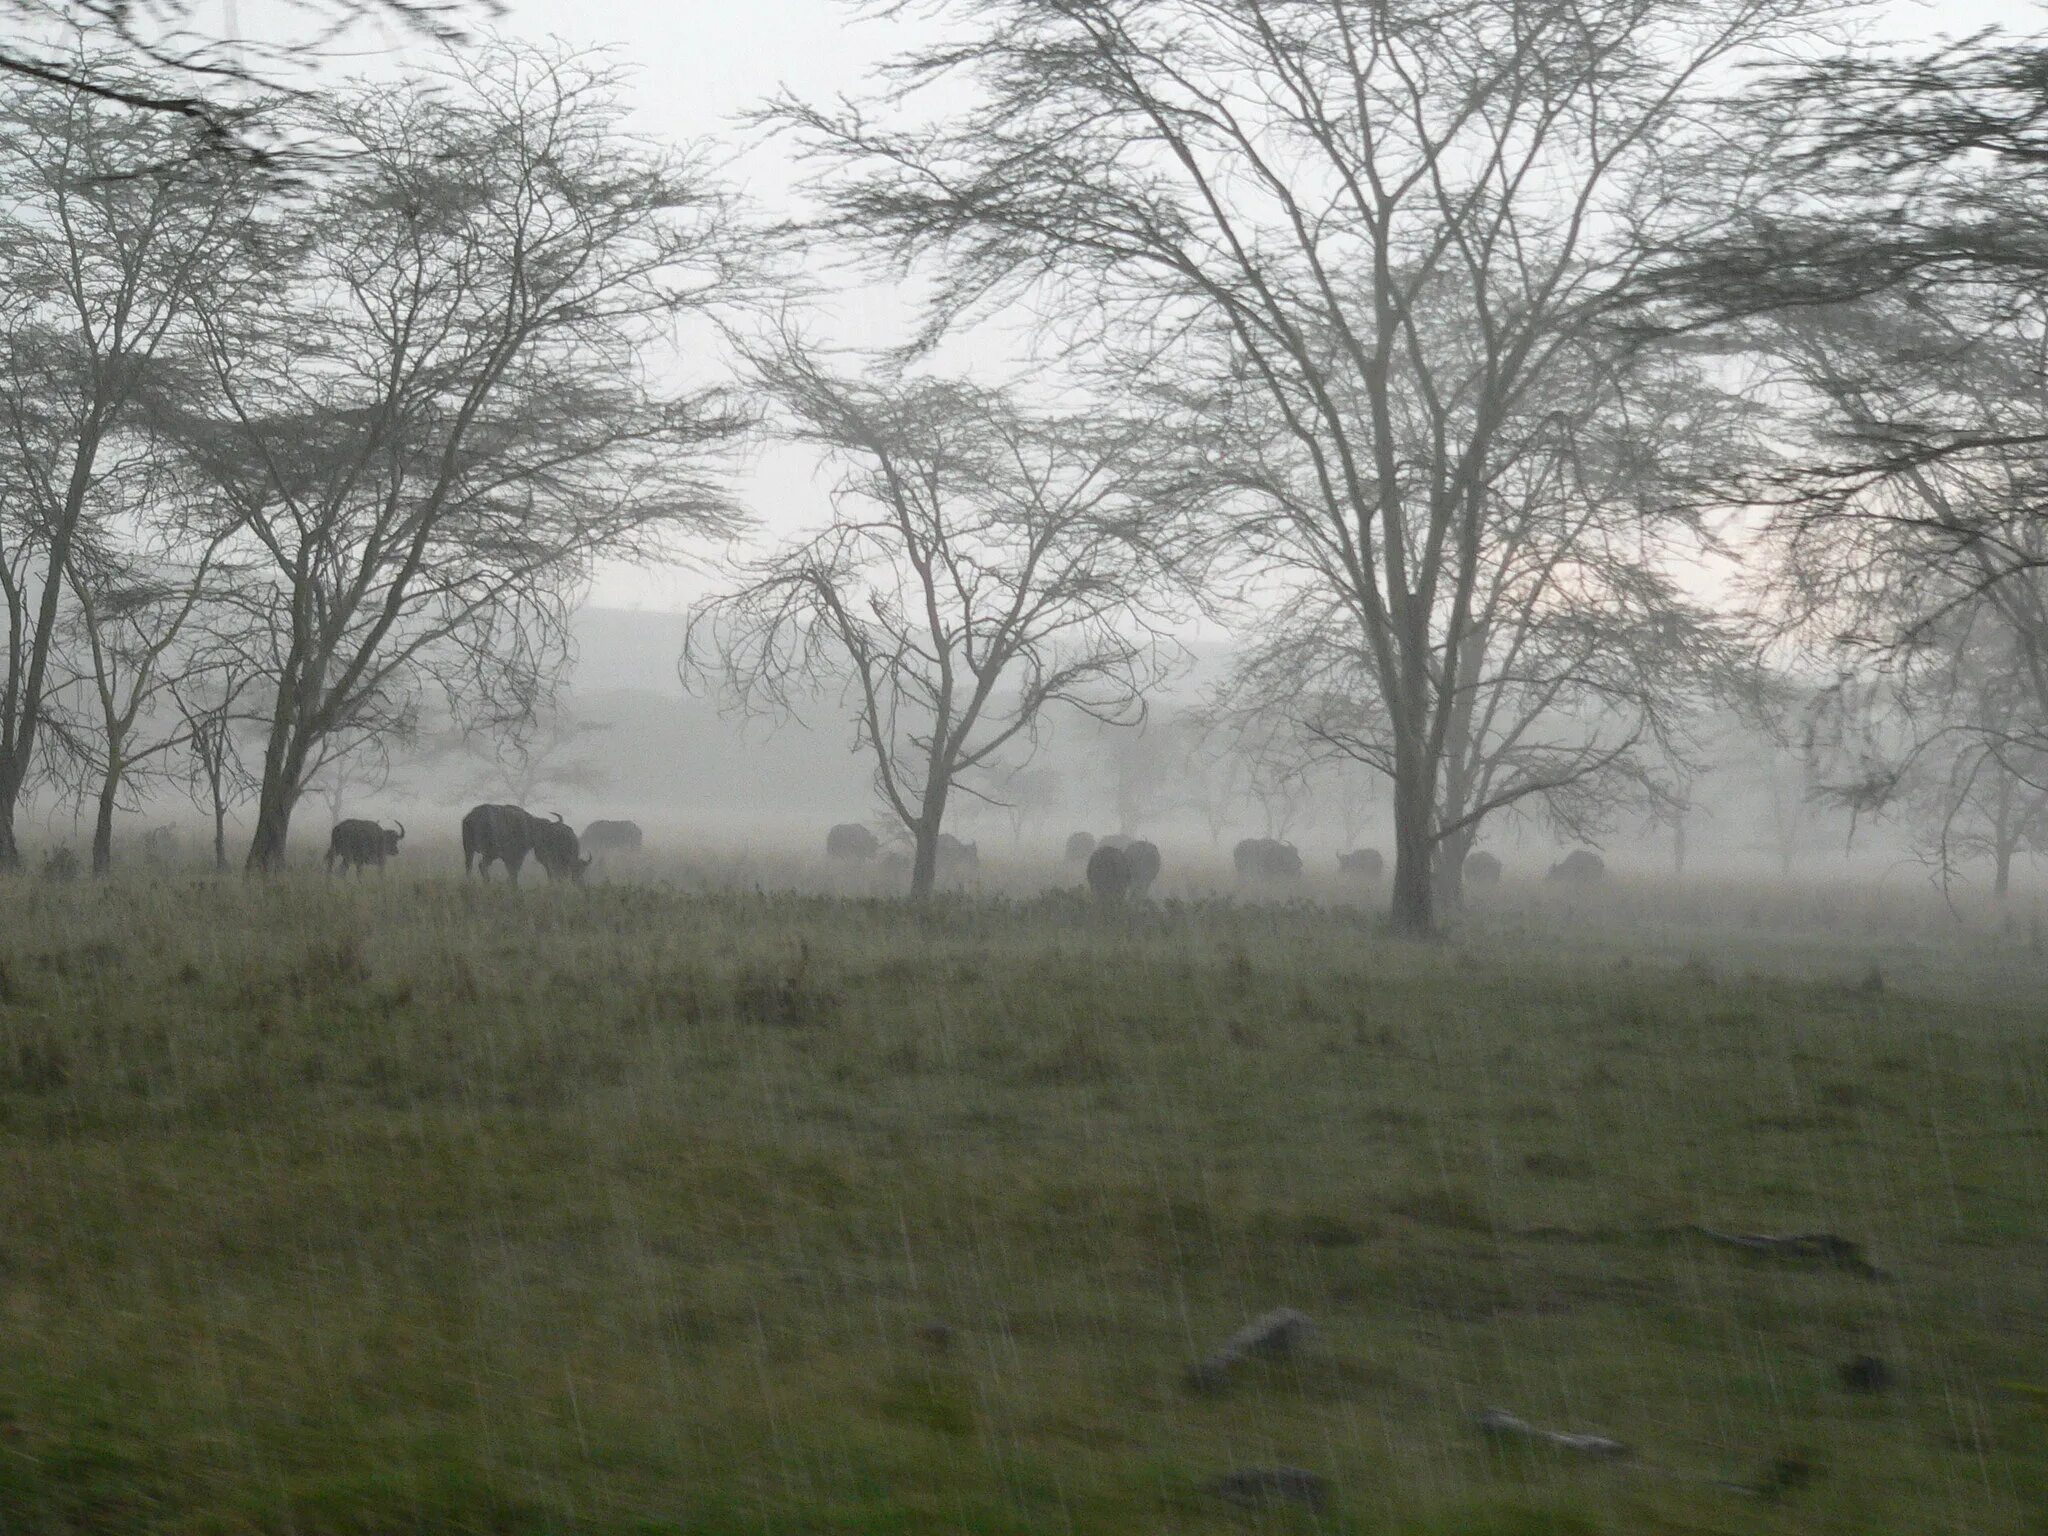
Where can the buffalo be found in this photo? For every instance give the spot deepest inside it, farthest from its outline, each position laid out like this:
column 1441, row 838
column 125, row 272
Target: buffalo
column 851, row 843
column 1266, row 859
column 356, row 842
column 603, row 837
column 1109, row 873
column 1362, row 864
column 505, row 834
column 1079, row 846
column 556, row 847
column 1581, row 866
column 1143, row 857
column 1482, row 869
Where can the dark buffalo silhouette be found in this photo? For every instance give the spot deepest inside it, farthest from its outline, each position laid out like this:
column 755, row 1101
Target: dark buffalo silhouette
column 1079, row 846
column 356, row 842
column 1581, row 866
column 506, row 834
column 1482, row 869
column 851, row 842
column 1267, row 859
column 1362, row 864
column 1144, row 861
column 1109, row 873
column 556, row 847
column 603, row 837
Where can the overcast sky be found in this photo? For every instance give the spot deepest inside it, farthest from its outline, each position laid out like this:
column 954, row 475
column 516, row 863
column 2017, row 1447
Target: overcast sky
column 699, row 63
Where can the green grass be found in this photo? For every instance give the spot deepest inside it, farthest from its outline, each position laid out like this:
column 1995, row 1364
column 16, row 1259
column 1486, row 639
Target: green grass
column 415, row 1207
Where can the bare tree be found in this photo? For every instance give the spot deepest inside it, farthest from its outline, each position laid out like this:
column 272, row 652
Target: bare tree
column 1028, row 793
column 142, row 609
column 437, row 406
column 1581, row 659
column 105, row 256
column 984, row 565
column 1401, row 228
column 552, row 751
column 1885, row 254
column 346, row 777
column 212, row 700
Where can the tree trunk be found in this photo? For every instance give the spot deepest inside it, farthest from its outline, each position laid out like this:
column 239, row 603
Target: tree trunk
column 220, row 836
column 1413, row 912
column 2001, row 878
column 41, row 640
column 10, row 850
column 924, row 863
column 103, row 823
column 273, row 827
column 1678, row 847
column 1450, row 870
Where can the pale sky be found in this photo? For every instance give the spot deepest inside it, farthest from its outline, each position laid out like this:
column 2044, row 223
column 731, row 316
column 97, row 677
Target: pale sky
column 699, row 63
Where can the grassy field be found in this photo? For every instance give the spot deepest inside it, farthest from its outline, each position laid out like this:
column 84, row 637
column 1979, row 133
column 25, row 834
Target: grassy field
column 414, row 1207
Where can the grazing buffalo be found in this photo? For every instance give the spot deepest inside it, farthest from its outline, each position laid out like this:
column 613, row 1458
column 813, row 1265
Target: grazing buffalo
column 603, row 837
column 1266, row 859
column 1143, row 858
column 1581, row 866
column 1079, row 846
column 555, row 846
column 356, row 842
column 1109, row 873
column 506, row 834
column 1362, row 864
column 852, row 843
column 1482, row 869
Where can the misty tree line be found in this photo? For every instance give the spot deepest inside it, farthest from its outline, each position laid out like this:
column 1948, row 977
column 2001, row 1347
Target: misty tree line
column 1427, row 349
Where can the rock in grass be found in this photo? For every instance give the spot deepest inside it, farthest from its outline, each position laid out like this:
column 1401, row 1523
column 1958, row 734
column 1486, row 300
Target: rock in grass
column 1268, row 1487
column 1274, row 1336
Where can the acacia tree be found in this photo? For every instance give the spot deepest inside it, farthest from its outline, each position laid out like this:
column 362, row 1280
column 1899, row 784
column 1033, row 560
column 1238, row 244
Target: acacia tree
column 142, row 610
column 1581, row 661
column 984, row 564
column 1890, row 260
column 106, row 254
column 211, row 700
column 554, row 750
column 437, row 404
column 1394, row 224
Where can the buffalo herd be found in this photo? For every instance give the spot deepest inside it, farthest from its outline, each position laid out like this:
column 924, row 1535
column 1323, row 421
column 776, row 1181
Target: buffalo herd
column 506, row 834
column 1116, row 867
